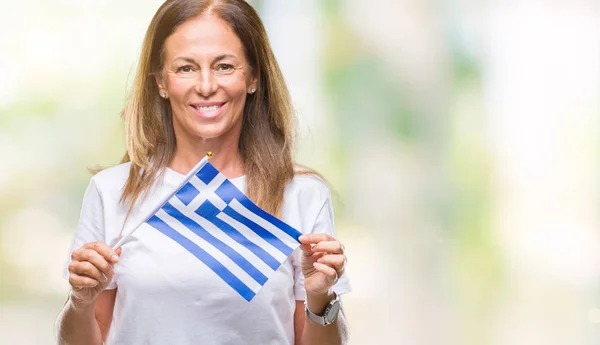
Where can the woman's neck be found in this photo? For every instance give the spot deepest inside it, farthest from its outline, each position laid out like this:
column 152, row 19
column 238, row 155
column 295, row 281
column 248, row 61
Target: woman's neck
column 226, row 157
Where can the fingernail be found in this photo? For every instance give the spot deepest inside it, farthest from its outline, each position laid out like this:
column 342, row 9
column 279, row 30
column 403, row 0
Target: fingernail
column 302, row 237
column 114, row 258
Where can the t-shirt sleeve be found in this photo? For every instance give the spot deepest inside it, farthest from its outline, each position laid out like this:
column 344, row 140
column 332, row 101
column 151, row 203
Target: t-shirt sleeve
column 324, row 224
column 90, row 227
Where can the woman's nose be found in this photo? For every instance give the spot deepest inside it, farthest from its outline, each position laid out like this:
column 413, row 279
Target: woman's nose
column 207, row 84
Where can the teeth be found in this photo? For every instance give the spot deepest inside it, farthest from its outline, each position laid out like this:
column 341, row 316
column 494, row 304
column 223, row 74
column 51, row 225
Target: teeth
column 210, row 109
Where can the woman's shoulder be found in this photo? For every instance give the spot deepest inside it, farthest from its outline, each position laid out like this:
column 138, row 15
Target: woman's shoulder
column 308, row 185
column 308, row 179
column 306, row 200
column 113, row 177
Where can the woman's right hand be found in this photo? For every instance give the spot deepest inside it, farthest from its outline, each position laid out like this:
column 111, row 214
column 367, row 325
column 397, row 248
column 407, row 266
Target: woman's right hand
column 91, row 270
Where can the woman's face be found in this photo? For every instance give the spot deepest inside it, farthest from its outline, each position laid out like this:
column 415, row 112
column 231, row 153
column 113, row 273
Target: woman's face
column 206, row 77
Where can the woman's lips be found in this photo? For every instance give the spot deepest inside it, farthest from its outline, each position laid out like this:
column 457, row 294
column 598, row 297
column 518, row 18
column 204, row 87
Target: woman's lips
column 208, row 110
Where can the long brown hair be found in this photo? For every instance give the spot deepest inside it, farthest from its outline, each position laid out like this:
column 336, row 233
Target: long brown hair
column 267, row 126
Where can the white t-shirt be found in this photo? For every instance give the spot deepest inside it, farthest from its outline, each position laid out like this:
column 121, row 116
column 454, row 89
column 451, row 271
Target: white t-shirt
column 165, row 297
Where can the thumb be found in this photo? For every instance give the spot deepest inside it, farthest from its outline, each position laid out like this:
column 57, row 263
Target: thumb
column 119, row 250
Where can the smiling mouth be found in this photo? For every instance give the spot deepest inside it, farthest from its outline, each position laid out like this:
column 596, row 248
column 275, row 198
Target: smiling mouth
column 208, row 110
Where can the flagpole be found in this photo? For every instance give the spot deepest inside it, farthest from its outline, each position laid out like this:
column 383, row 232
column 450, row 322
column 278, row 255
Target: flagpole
column 150, row 213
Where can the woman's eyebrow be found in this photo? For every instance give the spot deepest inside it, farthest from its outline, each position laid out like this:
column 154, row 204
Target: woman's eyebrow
column 217, row 59
column 224, row 56
column 187, row 59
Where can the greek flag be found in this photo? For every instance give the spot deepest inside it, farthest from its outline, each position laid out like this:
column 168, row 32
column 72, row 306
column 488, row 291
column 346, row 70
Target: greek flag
column 237, row 240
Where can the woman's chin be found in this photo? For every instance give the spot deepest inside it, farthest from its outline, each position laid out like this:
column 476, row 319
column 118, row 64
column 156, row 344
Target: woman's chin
column 210, row 132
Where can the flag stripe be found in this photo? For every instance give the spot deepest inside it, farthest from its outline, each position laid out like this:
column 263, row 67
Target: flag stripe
column 210, row 212
column 279, row 233
column 224, row 248
column 227, row 191
column 226, row 261
column 222, row 236
column 203, row 256
column 259, row 230
column 248, row 233
column 293, row 233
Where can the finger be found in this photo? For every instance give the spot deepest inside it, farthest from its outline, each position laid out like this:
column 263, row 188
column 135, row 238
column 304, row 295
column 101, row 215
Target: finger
column 103, row 249
column 329, row 272
column 317, row 255
column 306, row 249
column 331, row 247
column 315, row 238
column 308, row 252
column 78, row 282
column 87, row 269
column 96, row 259
column 108, row 253
column 337, row 261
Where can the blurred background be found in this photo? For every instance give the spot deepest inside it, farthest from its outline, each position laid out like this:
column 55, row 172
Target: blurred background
column 461, row 137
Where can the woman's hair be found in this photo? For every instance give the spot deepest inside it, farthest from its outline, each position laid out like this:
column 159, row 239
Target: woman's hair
column 267, row 126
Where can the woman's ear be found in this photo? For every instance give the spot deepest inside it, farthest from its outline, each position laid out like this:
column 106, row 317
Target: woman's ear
column 162, row 90
column 252, row 86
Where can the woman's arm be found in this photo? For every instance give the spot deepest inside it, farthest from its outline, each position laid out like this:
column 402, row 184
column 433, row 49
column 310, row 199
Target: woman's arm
column 308, row 332
column 86, row 323
column 87, row 314
column 323, row 263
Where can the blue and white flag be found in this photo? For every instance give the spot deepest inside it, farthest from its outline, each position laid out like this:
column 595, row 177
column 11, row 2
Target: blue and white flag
column 236, row 239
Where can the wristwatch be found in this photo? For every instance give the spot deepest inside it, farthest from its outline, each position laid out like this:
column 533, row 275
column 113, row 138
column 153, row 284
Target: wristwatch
column 329, row 315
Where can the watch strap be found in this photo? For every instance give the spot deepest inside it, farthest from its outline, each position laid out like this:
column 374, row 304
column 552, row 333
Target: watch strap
column 320, row 319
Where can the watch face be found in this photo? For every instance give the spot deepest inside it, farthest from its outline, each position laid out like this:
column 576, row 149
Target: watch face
column 332, row 313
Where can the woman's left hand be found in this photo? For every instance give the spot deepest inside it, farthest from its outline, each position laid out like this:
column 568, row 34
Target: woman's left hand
column 323, row 261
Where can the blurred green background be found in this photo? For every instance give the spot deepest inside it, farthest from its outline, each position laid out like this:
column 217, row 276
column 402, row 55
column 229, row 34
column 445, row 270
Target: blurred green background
column 461, row 137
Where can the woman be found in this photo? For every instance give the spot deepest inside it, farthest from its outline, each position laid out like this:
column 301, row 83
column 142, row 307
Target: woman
column 207, row 81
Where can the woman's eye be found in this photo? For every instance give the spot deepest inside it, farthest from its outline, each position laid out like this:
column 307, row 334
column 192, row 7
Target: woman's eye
column 224, row 68
column 185, row 69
